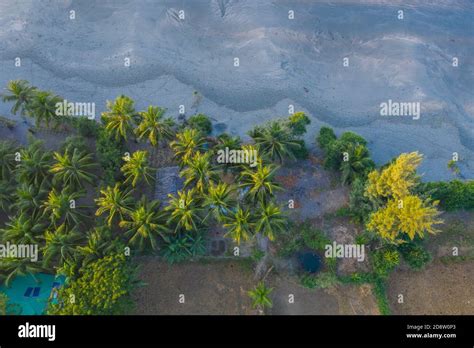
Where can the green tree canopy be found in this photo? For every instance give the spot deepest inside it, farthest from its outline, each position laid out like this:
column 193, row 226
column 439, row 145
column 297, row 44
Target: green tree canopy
column 101, row 287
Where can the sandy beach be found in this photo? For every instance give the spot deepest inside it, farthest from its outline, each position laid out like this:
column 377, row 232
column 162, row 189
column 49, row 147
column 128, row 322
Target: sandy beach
column 190, row 61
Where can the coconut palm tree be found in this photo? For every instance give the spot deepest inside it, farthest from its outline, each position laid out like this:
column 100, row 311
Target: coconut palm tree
column 29, row 198
column 219, row 200
column 259, row 182
column 177, row 249
column 61, row 208
column 154, row 126
column 260, row 296
column 6, row 195
column 20, row 92
column 275, row 141
column 136, row 168
column 43, row 108
column 69, row 268
column 225, row 140
column 187, row 144
column 73, row 169
column 22, row 229
column 7, row 159
column 114, row 202
column 254, row 155
column 198, row 243
column 253, row 148
column 270, row 220
column 60, row 245
column 240, row 225
column 185, row 210
column 12, row 267
column 34, row 164
column 199, row 172
column 99, row 244
column 144, row 224
column 358, row 163
column 119, row 117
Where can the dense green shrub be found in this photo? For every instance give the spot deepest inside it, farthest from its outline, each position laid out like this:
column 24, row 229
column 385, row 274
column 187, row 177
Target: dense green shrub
column 452, row 195
column 357, row 163
column 309, row 281
column 257, row 254
column 415, row 255
column 299, row 236
column 326, row 137
column 297, row 123
column 380, row 294
column 352, row 138
column 109, row 154
column 201, row 122
column 348, row 142
column 101, row 287
column 360, row 206
column 365, row 237
column 333, row 155
column 331, row 264
column 85, row 126
column 384, row 261
column 183, row 247
column 8, row 308
column 75, row 142
column 177, row 250
column 320, row 281
column 288, row 245
column 300, row 152
column 343, row 212
column 313, row 238
column 197, row 244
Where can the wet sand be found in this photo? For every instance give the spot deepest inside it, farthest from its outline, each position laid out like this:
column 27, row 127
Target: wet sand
column 282, row 62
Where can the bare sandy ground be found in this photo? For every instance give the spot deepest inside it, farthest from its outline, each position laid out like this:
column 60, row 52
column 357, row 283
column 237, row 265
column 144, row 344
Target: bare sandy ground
column 314, row 190
column 213, row 288
column 439, row 289
column 282, row 62
column 220, row 287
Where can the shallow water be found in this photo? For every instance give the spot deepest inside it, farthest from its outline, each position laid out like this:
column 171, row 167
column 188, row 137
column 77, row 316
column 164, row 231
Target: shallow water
column 282, row 62
column 311, row 262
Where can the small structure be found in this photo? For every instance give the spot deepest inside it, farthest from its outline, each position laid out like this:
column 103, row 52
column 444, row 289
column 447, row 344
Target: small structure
column 30, row 295
column 167, row 181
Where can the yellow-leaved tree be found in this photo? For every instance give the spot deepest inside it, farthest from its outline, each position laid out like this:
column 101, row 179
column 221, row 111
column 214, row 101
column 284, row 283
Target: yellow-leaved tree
column 403, row 212
column 396, row 180
column 411, row 216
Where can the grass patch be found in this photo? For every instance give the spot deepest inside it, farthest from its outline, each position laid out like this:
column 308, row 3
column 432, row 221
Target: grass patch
column 446, row 260
column 380, row 294
column 456, row 230
column 257, row 254
column 357, row 278
column 378, row 288
column 322, row 280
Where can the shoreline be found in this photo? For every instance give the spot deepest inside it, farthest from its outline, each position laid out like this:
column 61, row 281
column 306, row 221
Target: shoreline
column 281, row 63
